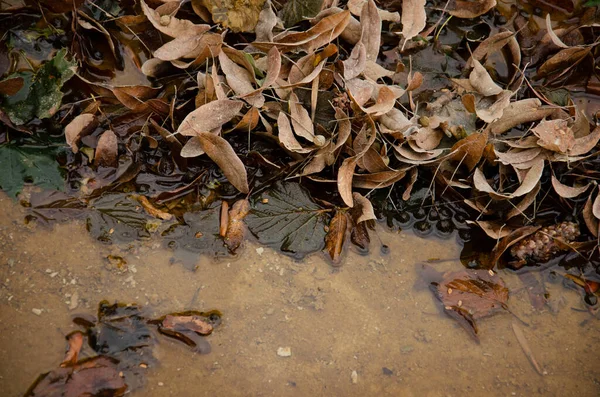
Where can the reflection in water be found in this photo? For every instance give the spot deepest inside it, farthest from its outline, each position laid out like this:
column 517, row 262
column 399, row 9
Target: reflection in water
column 360, row 329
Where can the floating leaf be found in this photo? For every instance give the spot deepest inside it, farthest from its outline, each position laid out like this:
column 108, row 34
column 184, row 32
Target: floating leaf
column 334, row 240
column 286, row 217
column 80, row 126
column 40, row 97
column 468, row 295
column 107, row 150
column 20, row 166
column 221, row 152
column 236, row 228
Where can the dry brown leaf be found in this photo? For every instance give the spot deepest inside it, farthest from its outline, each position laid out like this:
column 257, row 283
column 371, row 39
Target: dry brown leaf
column 566, row 191
column 221, row 152
column 133, row 96
column 151, row 209
column 590, row 220
column 75, row 340
column 273, row 68
column 386, row 99
column 352, row 31
column 209, row 117
column 324, row 32
column 413, row 18
column 239, row 16
column 493, row 229
column 529, row 182
column 558, row 42
column 468, row 295
column 334, row 240
column 356, row 7
column 236, row 229
column 181, row 47
column 519, row 112
column 522, row 205
column 469, row 8
column 469, row 150
column 375, row 71
column 371, row 30
column 286, row 135
column 240, row 81
column 224, row 218
column 192, row 148
column 267, row 20
column 414, row 81
column 363, row 209
column 344, row 179
column 163, row 20
column 563, row 60
column 301, row 121
column 359, row 235
column 481, row 80
column 378, row 180
column 518, row 156
column 356, row 62
column 555, row 135
column 586, row 143
column 494, row 110
column 107, row 150
column 511, row 240
column 80, row 126
column 249, row 121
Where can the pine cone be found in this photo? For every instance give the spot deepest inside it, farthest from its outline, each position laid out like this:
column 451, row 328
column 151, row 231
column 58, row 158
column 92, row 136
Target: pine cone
column 542, row 245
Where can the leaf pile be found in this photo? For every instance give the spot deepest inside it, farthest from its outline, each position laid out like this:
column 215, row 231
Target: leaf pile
column 194, row 102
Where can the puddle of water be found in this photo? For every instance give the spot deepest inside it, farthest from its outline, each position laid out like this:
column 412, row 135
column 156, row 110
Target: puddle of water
column 365, row 316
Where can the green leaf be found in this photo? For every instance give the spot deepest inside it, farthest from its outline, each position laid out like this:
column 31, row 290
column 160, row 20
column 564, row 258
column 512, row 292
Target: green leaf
column 286, row 217
column 19, row 165
column 295, row 11
column 40, row 96
column 592, row 3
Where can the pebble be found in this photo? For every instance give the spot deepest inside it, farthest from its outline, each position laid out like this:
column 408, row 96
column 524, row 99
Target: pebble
column 260, row 250
column 161, row 384
column 354, row 377
column 74, row 301
column 284, row 352
column 37, row 312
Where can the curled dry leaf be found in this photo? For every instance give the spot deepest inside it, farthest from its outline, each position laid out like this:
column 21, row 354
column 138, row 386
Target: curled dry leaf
column 80, row 126
column 529, row 182
column 240, row 81
column 414, row 18
column 586, row 143
column 356, row 62
column 469, row 150
column 555, row 135
column 286, row 135
column 75, row 340
column 481, row 80
column 236, row 229
column 588, row 214
column 371, row 30
column 469, row 9
column 334, row 240
column 209, row 117
column 192, row 148
column 107, row 150
column 510, row 240
column 301, row 121
column 563, row 61
column 363, row 209
column 151, row 209
column 267, row 20
column 221, row 152
column 566, row 191
column 163, row 20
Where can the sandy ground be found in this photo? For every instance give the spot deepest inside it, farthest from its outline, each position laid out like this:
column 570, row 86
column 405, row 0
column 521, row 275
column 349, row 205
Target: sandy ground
column 365, row 316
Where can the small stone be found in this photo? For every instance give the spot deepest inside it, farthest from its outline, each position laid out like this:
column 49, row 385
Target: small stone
column 386, row 371
column 260, row 250
column 354, row 377
column 284, row 352
column 161, row 384
column 37, row 312
column 74, row 301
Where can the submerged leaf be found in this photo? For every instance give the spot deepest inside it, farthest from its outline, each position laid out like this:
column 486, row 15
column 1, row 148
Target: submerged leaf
column 40, row 97
column 286, row 217
column 334, row 240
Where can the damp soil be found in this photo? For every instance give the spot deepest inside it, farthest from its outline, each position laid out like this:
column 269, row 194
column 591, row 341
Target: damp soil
column 365, row 316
